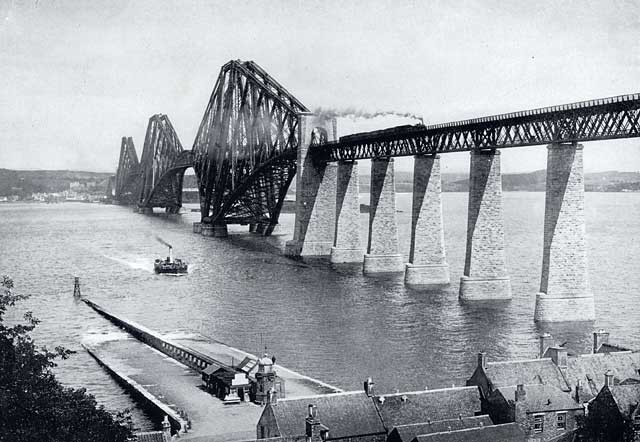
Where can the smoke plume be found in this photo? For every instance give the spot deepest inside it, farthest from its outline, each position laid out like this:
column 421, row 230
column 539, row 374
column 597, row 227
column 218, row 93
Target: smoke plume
column 162, row 241
column 359, row 113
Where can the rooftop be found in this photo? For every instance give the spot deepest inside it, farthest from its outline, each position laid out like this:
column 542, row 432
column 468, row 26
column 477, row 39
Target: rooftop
column 345, row 414
column 626, row 396
column 428, row 405
column 494, row 433
column 542, row 398
column 406, row 433
column 590, row 369
column 530, row 371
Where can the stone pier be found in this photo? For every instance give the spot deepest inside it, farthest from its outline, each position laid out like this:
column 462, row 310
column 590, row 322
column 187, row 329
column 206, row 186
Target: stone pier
column 427, row 263
column 565, row 294
column 485, row 271
column 315, row 191
column 347, row 245
column 382, row 247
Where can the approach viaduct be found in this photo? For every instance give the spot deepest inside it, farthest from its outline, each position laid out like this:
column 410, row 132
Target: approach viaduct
column 255, row 137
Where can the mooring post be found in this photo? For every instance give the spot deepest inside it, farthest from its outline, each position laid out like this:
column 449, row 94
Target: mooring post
column 76, row 288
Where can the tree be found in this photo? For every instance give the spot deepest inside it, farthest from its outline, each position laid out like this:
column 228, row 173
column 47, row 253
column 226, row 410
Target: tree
column 34, row 406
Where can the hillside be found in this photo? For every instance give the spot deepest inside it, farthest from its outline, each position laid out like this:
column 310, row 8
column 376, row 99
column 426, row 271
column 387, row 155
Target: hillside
column 26, row 182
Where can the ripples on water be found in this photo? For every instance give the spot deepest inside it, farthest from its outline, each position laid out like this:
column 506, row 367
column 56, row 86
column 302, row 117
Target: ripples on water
column 333, row 324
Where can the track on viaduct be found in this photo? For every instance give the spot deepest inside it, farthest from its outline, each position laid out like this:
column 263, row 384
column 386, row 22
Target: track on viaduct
column 245, row 151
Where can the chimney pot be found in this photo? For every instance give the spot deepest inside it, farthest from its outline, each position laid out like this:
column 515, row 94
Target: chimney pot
column 368, row 387
column 520, row 392
column 608, row 379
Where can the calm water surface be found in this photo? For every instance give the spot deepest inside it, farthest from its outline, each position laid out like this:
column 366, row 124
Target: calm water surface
column 333, row 324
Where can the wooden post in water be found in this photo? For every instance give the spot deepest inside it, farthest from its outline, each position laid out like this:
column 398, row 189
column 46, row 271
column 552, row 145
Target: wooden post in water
column 76, row 288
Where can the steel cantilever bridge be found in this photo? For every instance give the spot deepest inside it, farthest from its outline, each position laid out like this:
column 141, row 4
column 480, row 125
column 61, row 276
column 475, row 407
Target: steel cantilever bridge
column 244, row 154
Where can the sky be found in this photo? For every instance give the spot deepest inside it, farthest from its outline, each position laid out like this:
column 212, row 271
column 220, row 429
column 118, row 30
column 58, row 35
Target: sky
column 76, row 76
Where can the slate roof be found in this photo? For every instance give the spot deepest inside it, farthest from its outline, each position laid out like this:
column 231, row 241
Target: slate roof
column 344, row 414
column 151, row 436
column 626, row 396
column 428, row 405
column 609, row 348
column 590, row 369
column 542, row 398
column 406, row 433
column 531, row 371
column 495, row 433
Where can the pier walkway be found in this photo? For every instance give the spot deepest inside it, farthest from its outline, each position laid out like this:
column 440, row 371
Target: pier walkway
column 166, row 373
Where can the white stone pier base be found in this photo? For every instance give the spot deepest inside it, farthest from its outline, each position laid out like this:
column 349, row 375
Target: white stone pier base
column 565, row 294
column 382, row 248
column 347, row 245
column 427, row 264
column 426, row 274
column 315, row 192
column 485, row 271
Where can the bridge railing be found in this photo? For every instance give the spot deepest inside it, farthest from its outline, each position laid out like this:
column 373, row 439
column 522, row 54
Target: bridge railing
column 601, row 119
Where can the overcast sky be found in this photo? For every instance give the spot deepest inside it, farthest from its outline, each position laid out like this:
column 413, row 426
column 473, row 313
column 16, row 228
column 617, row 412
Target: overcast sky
column 75, row 76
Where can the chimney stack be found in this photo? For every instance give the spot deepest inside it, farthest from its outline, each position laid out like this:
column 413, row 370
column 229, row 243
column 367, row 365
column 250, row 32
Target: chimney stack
column 559, row 356
column 578, row 391
column 608, row 379
column 600, row 337
column 521, row 394
column 315, row 431
column 482, row 360
column 368, row 387
column 546, row 341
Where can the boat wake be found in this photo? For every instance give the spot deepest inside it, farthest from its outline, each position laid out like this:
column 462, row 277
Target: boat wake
column 137, row 263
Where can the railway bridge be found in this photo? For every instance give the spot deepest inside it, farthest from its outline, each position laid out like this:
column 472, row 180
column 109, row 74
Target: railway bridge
column 255, row 137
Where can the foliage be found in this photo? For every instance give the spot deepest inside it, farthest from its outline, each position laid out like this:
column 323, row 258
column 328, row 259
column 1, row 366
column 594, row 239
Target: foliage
column 34, row 406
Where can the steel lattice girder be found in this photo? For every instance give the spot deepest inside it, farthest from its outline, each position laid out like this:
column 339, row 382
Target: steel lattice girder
column 161, row 168
column 603, row 119
column 246, row 146
column 127, row 176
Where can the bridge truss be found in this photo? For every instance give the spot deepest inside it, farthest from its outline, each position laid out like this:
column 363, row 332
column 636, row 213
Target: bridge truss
column 128, row 174
column 246, row 146
column 162, row 166
column 603, row 119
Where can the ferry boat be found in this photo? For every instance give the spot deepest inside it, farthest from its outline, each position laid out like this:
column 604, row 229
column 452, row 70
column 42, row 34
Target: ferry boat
column 169, row 265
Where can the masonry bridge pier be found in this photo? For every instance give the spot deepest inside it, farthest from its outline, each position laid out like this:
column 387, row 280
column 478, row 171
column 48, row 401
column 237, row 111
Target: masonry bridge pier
column 255, row 138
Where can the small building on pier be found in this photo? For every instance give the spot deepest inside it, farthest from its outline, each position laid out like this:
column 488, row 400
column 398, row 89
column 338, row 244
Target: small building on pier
column 228, row 384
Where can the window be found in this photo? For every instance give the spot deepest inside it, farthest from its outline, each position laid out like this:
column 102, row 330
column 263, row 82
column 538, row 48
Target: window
column 538, row 423
column 561, row 420
column 636, row 422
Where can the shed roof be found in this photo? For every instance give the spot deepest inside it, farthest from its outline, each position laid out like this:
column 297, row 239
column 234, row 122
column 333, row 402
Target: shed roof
column 590, row 369
column 530, row 371
column 428, row 405
column 495, row 433
column 626, row 397
column 344, row 414
column 406, row 433
column 540, row 397
column 151, row 436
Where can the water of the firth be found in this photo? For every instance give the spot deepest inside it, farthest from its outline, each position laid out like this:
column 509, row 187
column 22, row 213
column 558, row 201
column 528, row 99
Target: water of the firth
column 337, row 326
